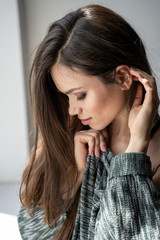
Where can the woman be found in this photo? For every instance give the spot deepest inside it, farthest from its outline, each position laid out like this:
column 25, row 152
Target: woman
column 94, row 170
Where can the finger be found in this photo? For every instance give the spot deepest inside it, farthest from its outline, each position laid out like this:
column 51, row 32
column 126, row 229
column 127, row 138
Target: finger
column 86, row 139
column 97, row 146
column 100, row 142
column 104, row 141
column 103, row 145
column 149, row 83
column 92, row 138
column 91, row 146
column 96, row 135
column 138, row 96
column 136, row 72
column 149, row 92
column 139, row 74
column 151, row 100
column 96, row 143
column 105, row 134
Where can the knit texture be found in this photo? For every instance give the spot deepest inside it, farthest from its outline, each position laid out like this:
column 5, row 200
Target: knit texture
column 34, row 228
column 118, row 201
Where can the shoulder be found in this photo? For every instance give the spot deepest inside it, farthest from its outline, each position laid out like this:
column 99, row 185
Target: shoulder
column 34, row 227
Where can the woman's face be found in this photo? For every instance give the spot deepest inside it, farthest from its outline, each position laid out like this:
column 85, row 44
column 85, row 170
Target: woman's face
column 95, row 103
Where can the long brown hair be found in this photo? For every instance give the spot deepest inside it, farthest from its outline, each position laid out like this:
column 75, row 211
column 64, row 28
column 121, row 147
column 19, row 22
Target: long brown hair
column 95, row 40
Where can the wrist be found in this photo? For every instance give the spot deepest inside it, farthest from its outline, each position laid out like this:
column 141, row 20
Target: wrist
column 137, row 144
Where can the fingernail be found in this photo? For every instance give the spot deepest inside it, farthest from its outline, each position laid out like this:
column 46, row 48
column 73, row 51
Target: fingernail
column 104, row 148
column 133, row 68
column 141, row 75
column 92, row 154
column 98, row 154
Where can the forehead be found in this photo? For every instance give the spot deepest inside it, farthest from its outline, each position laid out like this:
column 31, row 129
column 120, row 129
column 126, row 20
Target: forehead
column 65, row 78
column 61, row 74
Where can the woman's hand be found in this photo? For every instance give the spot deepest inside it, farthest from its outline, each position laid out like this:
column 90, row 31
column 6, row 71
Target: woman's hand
column 142, row 116
column 90, row 141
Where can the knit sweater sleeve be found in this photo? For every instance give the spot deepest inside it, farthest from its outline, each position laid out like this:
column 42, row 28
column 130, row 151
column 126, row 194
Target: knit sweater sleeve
column 34, row 228
column 130, row 206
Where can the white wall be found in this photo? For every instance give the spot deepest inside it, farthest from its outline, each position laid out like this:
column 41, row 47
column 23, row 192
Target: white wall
column 13, row 119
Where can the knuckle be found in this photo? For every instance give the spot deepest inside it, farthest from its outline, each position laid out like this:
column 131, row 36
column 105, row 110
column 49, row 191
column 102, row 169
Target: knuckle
column 151, row 90
column 97, row 144
column 96, row 134
column 92, row 138
column 76, row 136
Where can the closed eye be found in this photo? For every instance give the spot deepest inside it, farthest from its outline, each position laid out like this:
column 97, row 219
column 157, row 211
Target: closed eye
column 81, row 97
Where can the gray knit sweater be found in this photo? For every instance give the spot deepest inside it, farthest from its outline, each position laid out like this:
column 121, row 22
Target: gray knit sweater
column 118, row 201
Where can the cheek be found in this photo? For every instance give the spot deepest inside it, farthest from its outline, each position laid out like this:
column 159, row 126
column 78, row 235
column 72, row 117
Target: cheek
column 99, row 106
column 103, row 102
column 96, row 103
column 110, row 106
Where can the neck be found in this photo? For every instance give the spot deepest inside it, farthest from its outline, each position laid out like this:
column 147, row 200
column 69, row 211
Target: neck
column 119, row 127
column 119, row 133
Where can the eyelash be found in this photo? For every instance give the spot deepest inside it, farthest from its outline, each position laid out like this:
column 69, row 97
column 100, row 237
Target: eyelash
column 81, row 97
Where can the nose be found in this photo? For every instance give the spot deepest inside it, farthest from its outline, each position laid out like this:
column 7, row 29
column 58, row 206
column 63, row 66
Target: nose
column 74, row 109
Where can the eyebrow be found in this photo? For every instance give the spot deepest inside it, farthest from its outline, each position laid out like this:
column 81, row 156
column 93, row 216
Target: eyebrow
column 72, row 89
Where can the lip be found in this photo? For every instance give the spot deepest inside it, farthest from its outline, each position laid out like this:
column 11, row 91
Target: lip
column 85, row 121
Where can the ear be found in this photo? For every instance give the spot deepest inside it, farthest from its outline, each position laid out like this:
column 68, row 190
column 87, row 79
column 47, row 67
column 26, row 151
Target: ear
column 124, row 77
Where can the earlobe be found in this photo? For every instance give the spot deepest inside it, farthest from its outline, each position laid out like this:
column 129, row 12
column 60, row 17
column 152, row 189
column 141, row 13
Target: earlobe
column 124, row 77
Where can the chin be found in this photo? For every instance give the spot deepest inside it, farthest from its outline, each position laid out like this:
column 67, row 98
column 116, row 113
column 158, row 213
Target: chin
column 98, row 127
